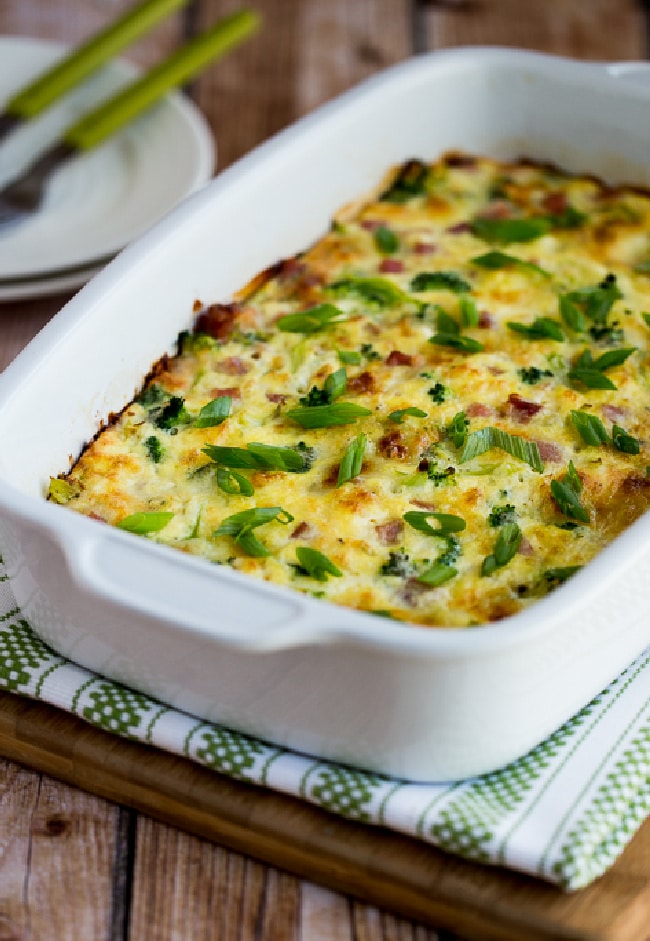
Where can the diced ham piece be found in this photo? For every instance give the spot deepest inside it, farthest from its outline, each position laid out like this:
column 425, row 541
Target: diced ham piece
column 389, row 533
column 371, row 225
column 277, row 397
column 459, row 227
column 218, row 320
column 525, row 547
column 485, row 319
column 424, row 505
column 391, row 266
column 555, row 202
column 302, row 529
column 479, row 410
column 522, row 410
column 550, row 452
column 635, row 484
column 232, row 391
column 397, row 358
column 233, row 366
column 289, row 268
column 361, row 384
column 497, row 209
column 424, row 248
column 392, row 445
column 615, row 413
column 411, row 591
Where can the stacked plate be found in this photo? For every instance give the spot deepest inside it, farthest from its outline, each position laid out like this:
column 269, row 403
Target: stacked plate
column 98, row 203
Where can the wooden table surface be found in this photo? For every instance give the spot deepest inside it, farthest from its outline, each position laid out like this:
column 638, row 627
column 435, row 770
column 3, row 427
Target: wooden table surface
column 74, row 867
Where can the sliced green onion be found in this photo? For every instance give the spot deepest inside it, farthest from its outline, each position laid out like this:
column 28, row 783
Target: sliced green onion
column 440, row 281
column 60, row 491
column 324, row 416
column 437, row 574
column 258, row 456
column 400, row 413
column 591, row 429
column 386, row 240
column 241, row 525
column 591, row 372
column 316, row 565
column 449, row 523
column 571, row 314
column 349, row 357
column 478, row 442
column 214, row 413
column 566, row 493
column 352, row 461
column 505, row 231
column 465, row 344
column 505, row 549
column 312, row 320
column 457, row 429
column 498, row 261
column 625, row 442
column 469, row 314
column 231, row 482
column 142, row 523
column 379, row 292
column 336, row 383
column 542, row 328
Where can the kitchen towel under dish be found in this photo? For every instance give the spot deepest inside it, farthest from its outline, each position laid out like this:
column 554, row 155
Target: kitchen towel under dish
column 564, row 812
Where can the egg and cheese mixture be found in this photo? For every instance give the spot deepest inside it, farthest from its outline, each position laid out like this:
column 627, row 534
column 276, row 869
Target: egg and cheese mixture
column 439, row 412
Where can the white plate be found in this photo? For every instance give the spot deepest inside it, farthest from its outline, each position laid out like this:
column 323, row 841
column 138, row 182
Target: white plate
column 43, row 285
column 98, row 203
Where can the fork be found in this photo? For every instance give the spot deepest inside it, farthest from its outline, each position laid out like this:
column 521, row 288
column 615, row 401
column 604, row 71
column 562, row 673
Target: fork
column 23, row 196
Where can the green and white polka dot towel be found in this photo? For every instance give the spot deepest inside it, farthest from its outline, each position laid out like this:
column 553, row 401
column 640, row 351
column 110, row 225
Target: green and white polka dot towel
column 564, row 812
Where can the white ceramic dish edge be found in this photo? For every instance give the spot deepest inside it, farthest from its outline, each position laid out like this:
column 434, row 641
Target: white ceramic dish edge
column 414, row 703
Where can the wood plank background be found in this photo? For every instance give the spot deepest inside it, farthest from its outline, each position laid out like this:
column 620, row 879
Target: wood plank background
column 76, row 867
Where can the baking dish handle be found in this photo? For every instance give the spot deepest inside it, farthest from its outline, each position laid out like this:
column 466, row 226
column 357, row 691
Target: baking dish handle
column 636, row 72
column 178, row 589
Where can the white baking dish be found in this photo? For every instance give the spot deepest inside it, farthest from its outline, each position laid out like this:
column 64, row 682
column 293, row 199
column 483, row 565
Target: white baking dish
column 408, row 701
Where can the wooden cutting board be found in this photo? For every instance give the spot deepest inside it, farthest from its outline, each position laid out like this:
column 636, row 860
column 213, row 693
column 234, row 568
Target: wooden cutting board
column 392, row 871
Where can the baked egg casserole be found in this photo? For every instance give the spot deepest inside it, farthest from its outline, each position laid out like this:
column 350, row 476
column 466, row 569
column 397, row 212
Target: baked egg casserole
column 437, row 413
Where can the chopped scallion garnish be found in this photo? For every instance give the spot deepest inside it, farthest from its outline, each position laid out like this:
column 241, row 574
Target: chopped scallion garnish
column 214, row 413
column 352, row 460
column 566, row 493
column 312, row 320
column 258, row 456
column 325, row 416
column 590, row 428
column 448, row 523
column 241, row 525
column 542, row 328
column 231, row 482
column 505, row 549
column 143, row 523
column 440, row 281
column 316, row 565
column 505, row 231
column 400, row 413
column 478, row 442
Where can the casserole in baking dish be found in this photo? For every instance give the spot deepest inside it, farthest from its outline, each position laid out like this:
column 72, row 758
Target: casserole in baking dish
column 421, row 704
